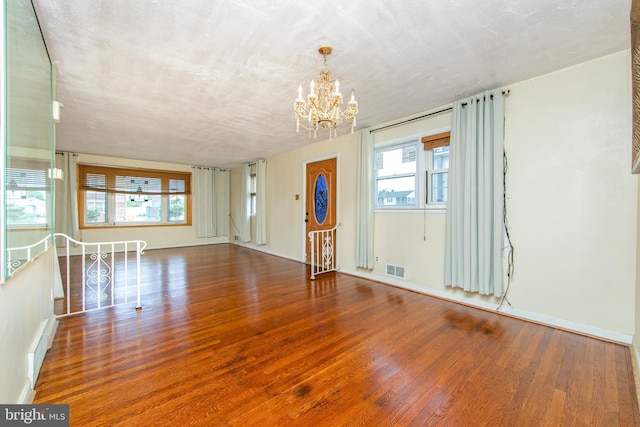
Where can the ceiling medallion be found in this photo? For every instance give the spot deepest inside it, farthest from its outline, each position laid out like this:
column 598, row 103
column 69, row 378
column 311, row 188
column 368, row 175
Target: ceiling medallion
column 322, row 109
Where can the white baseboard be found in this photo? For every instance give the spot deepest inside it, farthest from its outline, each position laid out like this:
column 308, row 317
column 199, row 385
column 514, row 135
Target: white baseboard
column 265, row 250
column 505, row 309
column 52, row 328
column 186, row 245
column 27, row 394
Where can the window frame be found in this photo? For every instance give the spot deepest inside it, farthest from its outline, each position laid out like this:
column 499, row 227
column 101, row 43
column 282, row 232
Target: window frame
column 430, row 143
column 424, row 170
column 37, row 167
column 253, row 188
column 111, row 172
column 391, row 146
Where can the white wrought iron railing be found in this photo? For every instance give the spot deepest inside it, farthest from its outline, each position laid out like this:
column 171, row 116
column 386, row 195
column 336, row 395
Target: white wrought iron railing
column 19, row 256
column 323, row 251
column 98, row 275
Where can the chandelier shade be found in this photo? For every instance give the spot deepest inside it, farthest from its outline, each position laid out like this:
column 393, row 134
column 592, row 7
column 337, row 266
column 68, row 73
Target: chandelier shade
column 322, row 109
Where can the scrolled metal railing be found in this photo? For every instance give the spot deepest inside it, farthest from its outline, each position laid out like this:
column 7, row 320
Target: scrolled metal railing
column 22, row 255
column 98, row 275
column 323, row 245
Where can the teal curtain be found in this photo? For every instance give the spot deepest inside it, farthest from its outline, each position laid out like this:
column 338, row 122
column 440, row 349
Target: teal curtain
column 364, row 201
column 475, row 225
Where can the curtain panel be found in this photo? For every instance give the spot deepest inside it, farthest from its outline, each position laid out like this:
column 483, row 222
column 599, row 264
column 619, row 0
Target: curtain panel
column 261, row 202
column 66, row 197
column 364, row 201
column 204, row 210
column 475, row 223
column 211, row 201
column 221, row 201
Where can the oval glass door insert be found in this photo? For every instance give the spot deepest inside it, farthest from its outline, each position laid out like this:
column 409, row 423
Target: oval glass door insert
column 321, row 199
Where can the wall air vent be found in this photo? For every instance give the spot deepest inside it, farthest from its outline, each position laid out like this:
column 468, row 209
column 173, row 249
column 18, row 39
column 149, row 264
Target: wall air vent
column 395, row 271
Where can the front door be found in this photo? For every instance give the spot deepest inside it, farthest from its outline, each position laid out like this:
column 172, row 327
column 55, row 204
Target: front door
column 320, row 212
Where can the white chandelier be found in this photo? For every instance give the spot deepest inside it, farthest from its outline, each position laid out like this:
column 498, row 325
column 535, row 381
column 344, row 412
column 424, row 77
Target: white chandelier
column 322, row 110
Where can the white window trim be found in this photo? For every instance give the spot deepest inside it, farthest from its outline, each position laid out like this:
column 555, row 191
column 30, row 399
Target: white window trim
column 427, row 183
column 391, row 145
column 422, row 159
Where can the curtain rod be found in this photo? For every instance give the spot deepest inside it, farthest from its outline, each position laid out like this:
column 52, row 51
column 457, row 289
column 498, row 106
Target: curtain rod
column 505, row 92
column 411, row 120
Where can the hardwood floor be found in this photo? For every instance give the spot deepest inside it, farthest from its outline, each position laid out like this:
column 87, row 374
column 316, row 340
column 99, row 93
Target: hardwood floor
column 231, row 336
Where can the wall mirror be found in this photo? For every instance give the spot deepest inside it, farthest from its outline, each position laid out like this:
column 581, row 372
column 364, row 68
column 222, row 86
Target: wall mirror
column 28, row 138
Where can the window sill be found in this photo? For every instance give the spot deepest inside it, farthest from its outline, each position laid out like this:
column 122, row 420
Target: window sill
column 429, row 210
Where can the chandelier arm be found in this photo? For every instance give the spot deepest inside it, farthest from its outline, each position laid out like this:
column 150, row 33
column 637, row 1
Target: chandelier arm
column 313, row 105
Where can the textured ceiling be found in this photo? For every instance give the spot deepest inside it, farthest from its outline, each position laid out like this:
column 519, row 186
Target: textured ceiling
column 204, row 82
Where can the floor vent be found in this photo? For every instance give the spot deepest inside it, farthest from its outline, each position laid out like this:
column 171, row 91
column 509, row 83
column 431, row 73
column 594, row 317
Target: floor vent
column 396, row 271
column 37, row 353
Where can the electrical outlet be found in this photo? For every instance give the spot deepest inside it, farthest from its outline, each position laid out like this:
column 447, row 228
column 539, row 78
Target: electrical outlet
column 377, row 258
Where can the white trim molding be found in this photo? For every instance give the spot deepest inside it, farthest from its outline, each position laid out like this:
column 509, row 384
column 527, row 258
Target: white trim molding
column 551, row 321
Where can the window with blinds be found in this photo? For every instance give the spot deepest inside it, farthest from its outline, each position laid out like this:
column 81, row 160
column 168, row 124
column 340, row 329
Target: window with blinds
column 27, row 192
column 110, row 196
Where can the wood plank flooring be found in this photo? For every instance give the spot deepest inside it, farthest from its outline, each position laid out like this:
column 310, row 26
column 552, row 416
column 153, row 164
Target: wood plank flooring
column 231, row 336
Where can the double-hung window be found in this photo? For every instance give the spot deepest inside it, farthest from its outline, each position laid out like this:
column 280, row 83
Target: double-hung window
column 437, row 171
column 408, row 176
column 396, row 169
column 252, row 188
column 110, row 196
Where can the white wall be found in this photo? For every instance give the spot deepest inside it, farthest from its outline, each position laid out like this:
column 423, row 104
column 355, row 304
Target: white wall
column 572, row 203
column 25, row 304
column 572, row 199
column 156, row 237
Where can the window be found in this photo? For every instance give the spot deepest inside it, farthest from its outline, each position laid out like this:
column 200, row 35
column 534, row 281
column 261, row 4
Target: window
column 437, row 148
column 395, row 175
column 407, row 177
column 252, row 188
column 123, row 197
column 26, row 194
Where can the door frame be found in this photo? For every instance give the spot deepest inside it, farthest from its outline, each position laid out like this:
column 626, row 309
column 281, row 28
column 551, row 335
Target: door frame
column 304, row 196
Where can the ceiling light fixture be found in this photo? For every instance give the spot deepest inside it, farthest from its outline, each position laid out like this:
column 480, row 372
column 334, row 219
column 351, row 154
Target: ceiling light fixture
column 322, row 110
